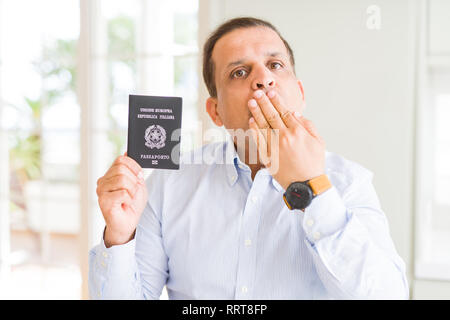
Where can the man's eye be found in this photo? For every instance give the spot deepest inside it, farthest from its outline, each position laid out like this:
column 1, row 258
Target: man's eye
column 275, row 65
column 239, row 73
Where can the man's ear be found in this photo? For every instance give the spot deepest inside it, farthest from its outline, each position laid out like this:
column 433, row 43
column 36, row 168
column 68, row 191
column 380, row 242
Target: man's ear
column 301, row 89
column 211, row 108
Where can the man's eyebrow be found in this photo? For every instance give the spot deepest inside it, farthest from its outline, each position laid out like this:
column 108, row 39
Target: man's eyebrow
column 235, row 63
column 241, row 61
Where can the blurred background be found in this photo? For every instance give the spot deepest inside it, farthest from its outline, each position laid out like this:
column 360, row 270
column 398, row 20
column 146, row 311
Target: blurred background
column 377, row 84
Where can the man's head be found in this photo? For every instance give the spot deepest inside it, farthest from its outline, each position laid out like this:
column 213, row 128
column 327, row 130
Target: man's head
column 241, row 56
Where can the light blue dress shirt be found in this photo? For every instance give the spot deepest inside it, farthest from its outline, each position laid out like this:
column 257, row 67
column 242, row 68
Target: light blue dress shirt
column 210, row 232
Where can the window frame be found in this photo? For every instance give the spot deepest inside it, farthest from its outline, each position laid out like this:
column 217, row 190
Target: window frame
column 428, row 65
column 5, row 246
column 92, row 61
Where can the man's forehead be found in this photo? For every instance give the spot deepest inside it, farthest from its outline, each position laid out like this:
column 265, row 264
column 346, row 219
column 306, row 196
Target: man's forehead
column 243, row 44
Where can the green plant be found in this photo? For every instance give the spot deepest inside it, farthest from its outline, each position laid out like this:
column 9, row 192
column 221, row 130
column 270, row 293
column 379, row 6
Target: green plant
column 57, row 60
column 25, row 157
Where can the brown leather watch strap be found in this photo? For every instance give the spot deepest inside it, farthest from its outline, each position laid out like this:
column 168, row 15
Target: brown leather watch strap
column 320, row 184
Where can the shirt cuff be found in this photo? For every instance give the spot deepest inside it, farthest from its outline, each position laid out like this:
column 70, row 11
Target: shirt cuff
column 118, row 259
column 324, row 216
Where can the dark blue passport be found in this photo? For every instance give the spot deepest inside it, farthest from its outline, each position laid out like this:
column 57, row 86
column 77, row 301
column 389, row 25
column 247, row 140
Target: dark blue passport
column 154, row 131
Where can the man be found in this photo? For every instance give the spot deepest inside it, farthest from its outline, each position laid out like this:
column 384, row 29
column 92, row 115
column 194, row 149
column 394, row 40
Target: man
column 224, row 230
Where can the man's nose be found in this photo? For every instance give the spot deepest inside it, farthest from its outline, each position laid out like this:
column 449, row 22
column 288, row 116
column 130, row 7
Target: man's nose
column 263, row 80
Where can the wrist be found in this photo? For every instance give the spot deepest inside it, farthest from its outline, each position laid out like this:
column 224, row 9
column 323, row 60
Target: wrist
column 300, row 178
column 299, row 194
column 114, row 239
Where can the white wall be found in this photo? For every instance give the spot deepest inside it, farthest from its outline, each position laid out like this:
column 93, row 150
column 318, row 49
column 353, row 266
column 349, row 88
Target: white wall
column 359, row 86
column 439, row 38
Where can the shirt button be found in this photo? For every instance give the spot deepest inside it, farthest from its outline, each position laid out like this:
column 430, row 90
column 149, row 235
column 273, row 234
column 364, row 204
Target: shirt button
column 244, row 289
column 309, row 222
column 105, row 254
column 248, row 242
column 254, row 199
column 316, row 235
column 233, row 179
column 103, row 264
column 241, row 166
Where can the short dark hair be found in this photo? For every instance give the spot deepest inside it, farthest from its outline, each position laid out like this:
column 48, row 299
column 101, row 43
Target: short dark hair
column 223, row 29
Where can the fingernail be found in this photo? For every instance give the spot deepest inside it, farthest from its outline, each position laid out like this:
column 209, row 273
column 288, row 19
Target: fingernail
column 252, row 103
column 251, row 120
column 271, row 94
column 297, row 114
column 140, row 175
column 258, row 94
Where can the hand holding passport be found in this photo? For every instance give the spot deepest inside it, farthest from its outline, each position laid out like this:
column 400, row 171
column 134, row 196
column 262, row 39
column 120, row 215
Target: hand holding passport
column 154, row 126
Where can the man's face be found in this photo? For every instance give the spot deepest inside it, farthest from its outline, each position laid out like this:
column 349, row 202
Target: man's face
column 246, row 60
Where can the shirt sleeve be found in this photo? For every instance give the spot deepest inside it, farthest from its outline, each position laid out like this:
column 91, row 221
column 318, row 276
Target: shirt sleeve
column 348, row 237
column 135, row 270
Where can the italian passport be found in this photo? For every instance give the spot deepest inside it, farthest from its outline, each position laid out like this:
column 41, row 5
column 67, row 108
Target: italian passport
column 154, row 131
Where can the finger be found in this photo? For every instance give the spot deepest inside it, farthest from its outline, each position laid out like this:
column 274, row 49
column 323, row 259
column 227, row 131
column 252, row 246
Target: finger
column 296, row 121
column 120, row 169
column 308, row 125
column 130, row 163
column 257, row 114
column 115, row 183
column 270, row 113
column 272, row 139
column 260, row 141
column 115, row 197
column 119, row 198
column 290, row 120
column 278, row 103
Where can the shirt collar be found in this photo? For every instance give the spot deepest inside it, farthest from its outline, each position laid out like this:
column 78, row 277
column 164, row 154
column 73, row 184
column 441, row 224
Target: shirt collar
column 231, row 158
column 234, row 165
column 277, row 185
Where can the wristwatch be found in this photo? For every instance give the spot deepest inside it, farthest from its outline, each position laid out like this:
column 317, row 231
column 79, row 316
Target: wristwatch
column 300, row 194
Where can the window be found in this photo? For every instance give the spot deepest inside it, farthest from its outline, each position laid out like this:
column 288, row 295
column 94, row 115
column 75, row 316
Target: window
column 143, row 47
column 432, row 254
column 65, row 77
column 39, row 126
column 433, row 246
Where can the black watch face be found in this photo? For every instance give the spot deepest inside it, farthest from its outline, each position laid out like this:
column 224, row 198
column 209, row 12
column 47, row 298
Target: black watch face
column 299, row 195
